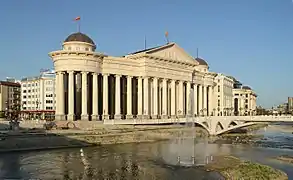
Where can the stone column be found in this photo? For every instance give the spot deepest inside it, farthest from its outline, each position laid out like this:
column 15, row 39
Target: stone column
column 71, row 102
column 188, row 100
column 155, row 84
column 105, row 97
column 57, row 86
column 95, row 114
column 129, row 98
column 84, row 112
column 139, row 98
column 173, row 99
column 200, row 107
column 61, row 115
column 62, row 108
column 210, row 103
column 164, row 100
column 205, row 99
column 195, row 99
column 146, row 97
column 180, row 99
column 117, row 97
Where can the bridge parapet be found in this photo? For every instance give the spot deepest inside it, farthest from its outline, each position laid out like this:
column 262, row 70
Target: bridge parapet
column 215, row 125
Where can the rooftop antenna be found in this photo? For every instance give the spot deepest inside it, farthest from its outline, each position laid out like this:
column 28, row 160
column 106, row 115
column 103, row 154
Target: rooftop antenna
column 77, row 19
column 196, row 52
column 145, row 41
column 167, row 36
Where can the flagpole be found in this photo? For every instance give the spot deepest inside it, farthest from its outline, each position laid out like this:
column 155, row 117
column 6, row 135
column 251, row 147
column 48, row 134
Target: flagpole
column 78, row 24
column 167, row 38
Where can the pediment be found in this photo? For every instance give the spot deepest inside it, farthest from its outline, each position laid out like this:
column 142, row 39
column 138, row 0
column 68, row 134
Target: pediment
column 172, row 51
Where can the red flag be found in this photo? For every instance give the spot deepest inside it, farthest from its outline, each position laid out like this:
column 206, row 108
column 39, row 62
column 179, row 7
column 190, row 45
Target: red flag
column 166, row 33
column 77, row 18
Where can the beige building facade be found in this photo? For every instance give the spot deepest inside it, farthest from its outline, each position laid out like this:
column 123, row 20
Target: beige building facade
column 9, row 95
column 223, row 95
column 244, row 101
column 38, row 92
column 160, row 82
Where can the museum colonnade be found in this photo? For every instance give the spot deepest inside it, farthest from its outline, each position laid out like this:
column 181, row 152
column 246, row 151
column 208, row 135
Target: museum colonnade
column 93, row 96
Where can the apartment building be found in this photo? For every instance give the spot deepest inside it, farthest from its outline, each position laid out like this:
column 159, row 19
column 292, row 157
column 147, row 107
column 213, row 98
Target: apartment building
column 38, row 93
column 9, row 96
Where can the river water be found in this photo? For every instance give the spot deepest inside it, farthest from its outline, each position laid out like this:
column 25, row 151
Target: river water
column 170, row 160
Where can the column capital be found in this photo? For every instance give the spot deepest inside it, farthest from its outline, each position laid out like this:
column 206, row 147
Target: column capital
column 155, row 77
column 84, row 72
column 60, row 72
column 70, row 72
column 95, row 74
column 118, row 75
column 105, row 74
column 139, row 77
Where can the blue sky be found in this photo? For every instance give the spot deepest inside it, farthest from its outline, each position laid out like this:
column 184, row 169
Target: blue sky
column 249, row 39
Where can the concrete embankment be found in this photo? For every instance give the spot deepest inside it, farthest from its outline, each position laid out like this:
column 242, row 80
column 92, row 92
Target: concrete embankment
column 24, row 140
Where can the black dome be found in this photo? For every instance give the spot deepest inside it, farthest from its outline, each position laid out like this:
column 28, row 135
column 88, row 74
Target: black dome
column 79, row 37
column 246, row 87
column 201, row 61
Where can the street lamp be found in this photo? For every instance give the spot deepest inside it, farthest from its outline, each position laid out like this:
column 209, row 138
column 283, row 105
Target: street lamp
column 6, row 110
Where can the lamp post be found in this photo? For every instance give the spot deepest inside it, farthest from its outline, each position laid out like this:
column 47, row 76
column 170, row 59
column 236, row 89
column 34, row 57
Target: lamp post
column 6, row 110
column 37, row 103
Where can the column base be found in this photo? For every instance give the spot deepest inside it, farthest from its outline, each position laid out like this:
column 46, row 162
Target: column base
column 60, row 117
column 84, row 117
column 70, row 117
column 155, row 117
column 180, row 116
column 95, row 117
column 117, row 116
column 173, row 116
column 129, row 116
column 146, row 116
column 164, row 117
column 139, row 116
column 105, row 117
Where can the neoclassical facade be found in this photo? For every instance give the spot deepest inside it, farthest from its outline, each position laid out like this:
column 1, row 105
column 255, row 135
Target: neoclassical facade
column 244, row 101
column 223, row 95
column 159, row 82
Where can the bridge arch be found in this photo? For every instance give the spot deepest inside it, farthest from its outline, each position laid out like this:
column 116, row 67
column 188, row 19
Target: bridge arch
column 232, row 123
column 236, row 106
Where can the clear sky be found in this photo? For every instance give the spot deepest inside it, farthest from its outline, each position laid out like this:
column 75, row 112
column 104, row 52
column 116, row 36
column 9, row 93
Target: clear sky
column 248, row 39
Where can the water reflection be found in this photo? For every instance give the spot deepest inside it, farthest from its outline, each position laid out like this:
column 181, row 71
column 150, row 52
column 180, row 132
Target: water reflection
column 175, row 159
column 143, row 161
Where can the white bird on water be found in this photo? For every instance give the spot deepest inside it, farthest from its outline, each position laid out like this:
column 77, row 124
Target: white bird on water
column 81, row 152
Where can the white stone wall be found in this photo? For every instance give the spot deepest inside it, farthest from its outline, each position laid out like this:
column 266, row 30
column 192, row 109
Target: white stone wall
column 38, row 93
column 223, row 94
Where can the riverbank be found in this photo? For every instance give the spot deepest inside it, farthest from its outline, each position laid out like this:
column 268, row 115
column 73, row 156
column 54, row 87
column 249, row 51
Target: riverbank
column 285, row 158
column 233, row 168
column 42, row 140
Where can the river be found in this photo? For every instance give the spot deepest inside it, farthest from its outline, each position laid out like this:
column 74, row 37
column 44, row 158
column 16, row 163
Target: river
column 147, row 161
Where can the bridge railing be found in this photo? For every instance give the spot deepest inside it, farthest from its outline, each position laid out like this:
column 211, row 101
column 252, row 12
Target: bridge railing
column 254, row 118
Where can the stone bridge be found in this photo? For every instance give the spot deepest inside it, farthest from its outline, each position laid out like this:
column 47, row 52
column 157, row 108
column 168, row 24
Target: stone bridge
column 215, row 125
